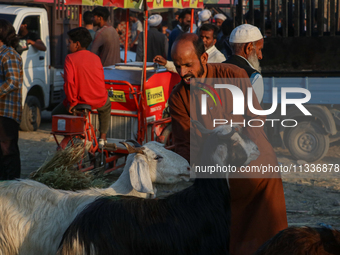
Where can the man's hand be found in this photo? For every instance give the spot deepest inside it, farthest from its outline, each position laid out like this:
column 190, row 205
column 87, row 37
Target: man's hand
column 38, row 44
column 160, row 60
column 30, row 41
column 131, row 45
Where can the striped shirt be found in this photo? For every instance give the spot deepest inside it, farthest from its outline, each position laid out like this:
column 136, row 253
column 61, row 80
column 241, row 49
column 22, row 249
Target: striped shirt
column 11, row 77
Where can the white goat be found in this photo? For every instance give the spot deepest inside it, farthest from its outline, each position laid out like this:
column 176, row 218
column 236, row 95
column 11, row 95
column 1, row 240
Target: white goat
column 34, row 216
column 194, row 221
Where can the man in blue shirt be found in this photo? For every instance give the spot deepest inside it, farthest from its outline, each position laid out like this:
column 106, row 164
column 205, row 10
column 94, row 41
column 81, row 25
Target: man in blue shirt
column 183, row 27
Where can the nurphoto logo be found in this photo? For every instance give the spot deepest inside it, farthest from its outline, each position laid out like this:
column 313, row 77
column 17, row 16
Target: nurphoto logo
column 239, row 100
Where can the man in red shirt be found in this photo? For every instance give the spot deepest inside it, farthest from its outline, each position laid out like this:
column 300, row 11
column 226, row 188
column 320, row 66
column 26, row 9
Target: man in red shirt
column 84, row 80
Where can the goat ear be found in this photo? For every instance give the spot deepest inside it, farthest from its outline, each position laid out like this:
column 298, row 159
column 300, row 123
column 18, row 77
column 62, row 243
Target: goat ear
column 139, row 175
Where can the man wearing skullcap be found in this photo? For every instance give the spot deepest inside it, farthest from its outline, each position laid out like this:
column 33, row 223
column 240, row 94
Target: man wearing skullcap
column 258, row 209
column 246, row 42
column 203, row 17
column 157, row 41
column 219, row 18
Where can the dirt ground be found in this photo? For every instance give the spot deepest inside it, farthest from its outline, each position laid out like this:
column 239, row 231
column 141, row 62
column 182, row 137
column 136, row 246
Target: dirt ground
column 311, row 199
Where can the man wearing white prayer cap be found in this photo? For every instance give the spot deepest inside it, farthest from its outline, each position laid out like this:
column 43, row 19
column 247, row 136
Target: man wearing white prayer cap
column 157, row 41
column 219, row 18
column 203, row 17
column 155, row 20
column 246, row 42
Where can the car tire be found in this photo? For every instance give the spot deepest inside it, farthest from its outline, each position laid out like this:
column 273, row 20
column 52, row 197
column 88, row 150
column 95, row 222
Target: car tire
column 31, row 114
column 307, row 141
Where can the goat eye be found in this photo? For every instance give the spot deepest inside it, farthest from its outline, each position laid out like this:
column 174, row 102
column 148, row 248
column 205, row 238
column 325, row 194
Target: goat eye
column 158, row 157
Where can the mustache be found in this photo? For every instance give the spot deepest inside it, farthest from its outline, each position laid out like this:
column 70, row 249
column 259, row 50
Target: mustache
column 188, row 76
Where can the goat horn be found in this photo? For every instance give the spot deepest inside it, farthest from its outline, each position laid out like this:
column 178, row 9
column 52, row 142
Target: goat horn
column 201, row 128
column 135, row 143
column 133, row 149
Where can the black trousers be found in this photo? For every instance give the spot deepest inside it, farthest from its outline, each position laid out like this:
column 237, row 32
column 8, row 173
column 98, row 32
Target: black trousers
column 10, row 166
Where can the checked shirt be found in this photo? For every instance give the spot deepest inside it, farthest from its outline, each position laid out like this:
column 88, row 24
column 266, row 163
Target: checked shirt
column 11, row 77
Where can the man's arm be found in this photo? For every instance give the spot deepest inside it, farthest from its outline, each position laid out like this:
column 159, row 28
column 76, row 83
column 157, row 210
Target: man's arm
column 96, row 43
column 38, row 44
column 70, row 86
column 169, row 65
column 12, row 68
column 139, row 30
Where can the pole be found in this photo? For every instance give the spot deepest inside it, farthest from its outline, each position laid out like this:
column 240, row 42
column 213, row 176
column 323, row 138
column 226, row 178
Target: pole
column 80, row 10
column 143, row 120
column 126, row 34
column 192, row 20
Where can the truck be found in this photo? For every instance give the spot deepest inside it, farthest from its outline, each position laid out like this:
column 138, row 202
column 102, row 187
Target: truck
column 42, row 82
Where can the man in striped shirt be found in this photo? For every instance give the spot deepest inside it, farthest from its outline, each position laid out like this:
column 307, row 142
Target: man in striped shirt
column 11, row 77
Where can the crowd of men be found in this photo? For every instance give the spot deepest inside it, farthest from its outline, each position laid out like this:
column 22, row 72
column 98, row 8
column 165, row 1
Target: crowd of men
column 258, row 204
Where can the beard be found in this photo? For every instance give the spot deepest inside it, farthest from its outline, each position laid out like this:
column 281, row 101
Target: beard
column 186, row 78
column 254, row 61
column 185, row 27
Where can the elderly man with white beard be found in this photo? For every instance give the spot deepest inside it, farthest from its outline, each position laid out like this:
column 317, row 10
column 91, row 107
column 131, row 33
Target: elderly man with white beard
column 246, row 42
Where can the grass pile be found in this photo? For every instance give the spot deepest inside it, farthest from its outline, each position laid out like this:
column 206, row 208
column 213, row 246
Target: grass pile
column 60, row 172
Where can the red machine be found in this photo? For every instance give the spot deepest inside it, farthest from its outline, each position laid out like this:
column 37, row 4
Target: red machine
column 130, row 115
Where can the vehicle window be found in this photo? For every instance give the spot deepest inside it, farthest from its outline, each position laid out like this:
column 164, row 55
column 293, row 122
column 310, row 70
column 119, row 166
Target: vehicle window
column 9, row 17
column 32, row 25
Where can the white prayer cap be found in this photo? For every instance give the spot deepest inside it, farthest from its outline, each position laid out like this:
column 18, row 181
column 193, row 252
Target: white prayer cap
column 155, row 20
column 245, row 33
column 220, row 16
column 204, row 15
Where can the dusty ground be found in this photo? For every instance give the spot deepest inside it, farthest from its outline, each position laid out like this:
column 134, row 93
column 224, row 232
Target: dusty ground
column 311, row 200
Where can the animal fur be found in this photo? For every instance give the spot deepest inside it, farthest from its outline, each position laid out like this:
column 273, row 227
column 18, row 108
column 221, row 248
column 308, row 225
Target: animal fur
column 194, row 221
column 34, row 216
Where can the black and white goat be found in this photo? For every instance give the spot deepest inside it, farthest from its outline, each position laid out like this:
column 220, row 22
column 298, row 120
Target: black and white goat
column 34, row 216
column 302, row 241
column 194, row 221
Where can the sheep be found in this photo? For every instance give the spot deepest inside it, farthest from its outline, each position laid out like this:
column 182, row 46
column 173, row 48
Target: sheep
column 302, row 240
column 34, row 216
column 193, row 221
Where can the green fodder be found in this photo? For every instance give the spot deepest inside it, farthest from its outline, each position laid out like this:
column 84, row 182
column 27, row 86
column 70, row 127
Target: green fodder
column 60, row 172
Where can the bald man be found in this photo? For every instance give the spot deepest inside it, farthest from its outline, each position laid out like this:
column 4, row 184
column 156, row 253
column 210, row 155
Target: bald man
column 258, row 208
